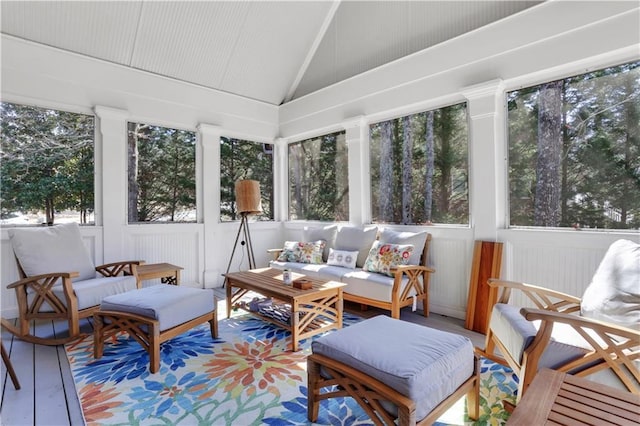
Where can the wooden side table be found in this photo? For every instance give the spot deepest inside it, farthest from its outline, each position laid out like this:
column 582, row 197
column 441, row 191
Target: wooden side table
column 559, row 398
column 168, row 273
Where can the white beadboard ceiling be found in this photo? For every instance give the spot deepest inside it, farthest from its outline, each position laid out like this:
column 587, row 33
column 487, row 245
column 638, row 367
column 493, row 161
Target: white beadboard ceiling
column 265, row 50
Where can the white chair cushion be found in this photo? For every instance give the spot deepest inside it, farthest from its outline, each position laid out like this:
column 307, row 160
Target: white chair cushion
column 58, row 248
column 614, row 293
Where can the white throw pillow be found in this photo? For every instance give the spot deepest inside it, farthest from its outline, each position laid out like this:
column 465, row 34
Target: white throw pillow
column 343, row 258
column 614, row 292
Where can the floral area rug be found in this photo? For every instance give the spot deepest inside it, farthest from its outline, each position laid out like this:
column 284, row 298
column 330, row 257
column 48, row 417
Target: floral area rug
column 245, row 377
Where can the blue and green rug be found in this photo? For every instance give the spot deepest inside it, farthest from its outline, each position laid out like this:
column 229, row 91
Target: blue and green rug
column 245, row 377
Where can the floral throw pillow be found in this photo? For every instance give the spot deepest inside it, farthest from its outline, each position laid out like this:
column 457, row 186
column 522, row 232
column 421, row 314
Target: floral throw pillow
column 343, row 258
column 302, row 252
column 384, row 256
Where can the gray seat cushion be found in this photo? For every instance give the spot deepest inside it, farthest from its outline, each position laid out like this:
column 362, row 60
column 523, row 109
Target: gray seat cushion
column 422, row 363
column 516, row 333
column 170, row 305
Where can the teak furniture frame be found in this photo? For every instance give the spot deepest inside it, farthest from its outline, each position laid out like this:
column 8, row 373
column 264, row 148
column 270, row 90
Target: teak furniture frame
column 615, row 347
column 369, row 393
column 313, row 311
column 168, row 273
column 144, row 330
column 38, row 288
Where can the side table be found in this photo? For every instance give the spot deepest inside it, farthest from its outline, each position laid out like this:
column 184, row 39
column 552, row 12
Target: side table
column 168, row 273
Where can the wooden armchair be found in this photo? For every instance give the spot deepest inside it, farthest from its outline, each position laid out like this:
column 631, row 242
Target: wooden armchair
column 59, row 280
column 570, row 334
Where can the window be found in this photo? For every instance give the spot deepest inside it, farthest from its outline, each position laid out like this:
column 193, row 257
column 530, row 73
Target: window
column 242, row 159
column 318, row 179
column 47, row 165
column 161, row 174
column 419, row 168
column 574, row 151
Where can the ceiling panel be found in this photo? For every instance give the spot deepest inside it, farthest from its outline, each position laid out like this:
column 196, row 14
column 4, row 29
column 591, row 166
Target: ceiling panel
column 262, row 50
column 104, row 30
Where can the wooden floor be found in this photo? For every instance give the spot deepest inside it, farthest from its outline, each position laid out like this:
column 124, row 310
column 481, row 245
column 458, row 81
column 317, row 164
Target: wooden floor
column 48, row 395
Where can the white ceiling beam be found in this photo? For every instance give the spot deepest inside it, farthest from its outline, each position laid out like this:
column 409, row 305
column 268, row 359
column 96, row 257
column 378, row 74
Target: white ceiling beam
column 312, row 50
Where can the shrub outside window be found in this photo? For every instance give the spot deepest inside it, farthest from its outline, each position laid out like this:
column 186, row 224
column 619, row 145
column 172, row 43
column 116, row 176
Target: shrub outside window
column 47, row 164
column 161, row 174
column 574, row 151
column 419, row 168
column 318, row 179
column 239, row 160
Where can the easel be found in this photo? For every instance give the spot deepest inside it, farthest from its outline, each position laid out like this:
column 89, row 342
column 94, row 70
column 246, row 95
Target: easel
column 244, row 229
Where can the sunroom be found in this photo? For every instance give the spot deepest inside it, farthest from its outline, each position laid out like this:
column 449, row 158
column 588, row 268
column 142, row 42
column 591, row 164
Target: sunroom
column 413, row 116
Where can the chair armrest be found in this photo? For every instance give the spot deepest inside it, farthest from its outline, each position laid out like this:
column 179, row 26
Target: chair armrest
column 54, row 275
column 275, row 252
column 614, row 347
column 542, row 297
column 116, row 268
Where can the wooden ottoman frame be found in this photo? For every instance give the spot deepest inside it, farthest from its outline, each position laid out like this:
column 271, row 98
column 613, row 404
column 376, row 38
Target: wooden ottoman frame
column 108, row 323
column 369, row 392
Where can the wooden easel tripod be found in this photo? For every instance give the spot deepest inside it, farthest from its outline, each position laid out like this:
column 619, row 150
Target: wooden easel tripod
column 244, row 229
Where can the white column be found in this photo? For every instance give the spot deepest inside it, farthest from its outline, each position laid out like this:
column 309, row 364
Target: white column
column 488, row 190
column 280, row 180
column 209, row 201
column 111, row 181
column 357, row 138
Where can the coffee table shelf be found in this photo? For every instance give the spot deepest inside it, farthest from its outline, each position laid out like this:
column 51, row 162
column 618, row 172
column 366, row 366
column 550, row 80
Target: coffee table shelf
column 321, row 306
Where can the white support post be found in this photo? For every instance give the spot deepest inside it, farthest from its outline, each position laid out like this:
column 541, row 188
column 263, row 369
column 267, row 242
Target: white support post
column 209, row 214
column 357, row 137
column 111, row 170
column 488, row 159
column 281, row 180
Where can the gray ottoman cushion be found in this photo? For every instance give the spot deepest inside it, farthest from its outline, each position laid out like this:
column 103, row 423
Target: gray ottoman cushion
column 422, row 363
column 170, row 305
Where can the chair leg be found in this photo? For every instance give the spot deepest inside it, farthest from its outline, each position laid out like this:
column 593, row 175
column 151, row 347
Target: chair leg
column 10, row 370
column 313, row 404
column 213, row 325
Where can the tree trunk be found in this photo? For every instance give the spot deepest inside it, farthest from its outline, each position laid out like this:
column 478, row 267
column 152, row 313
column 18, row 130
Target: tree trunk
column 428, row 185
column 385, row 203
column 132, row 175
column 547, row 199
column 407, row 160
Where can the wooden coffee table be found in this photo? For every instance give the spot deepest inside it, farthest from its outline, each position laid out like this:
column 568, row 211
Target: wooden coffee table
column 313, row 311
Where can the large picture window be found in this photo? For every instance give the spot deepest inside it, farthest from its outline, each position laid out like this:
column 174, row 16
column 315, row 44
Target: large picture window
column 47, row 164
column 574, row 151
column 161, row 174
column 419, row 168
column 242, row 159
column 318, row 179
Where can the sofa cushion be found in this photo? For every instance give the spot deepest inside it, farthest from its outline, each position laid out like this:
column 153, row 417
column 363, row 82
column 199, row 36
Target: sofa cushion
column 383, row 257
column 355, row 238
column 319, row 271
column 58, row 248
column 424, row 364
column 302, row 252
column 326, row 233
column 416, row 239
column 614, row 293
column 370, row 285
column 344, row 258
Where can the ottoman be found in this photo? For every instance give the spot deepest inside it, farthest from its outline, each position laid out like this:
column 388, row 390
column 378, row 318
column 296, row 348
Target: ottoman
column 394, row 370
column 153, row 315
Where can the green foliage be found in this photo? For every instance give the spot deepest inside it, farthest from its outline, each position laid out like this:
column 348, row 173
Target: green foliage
column 47, row 161
column 162, row 185
column 318, row 179
column 600, row 170
column 445, row 183
column 242, row 159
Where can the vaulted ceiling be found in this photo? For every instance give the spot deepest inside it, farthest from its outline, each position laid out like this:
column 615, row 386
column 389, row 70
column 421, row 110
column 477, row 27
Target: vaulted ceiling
column 269, row 51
